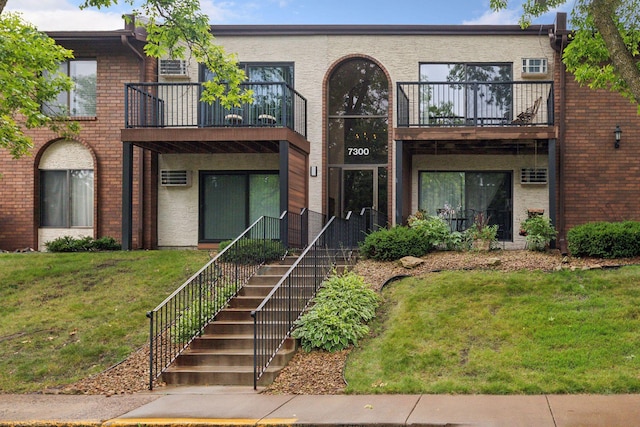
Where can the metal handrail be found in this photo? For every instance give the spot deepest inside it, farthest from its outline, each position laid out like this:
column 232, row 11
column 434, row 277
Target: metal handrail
column 178, row 104
column 457, row 104
column 274, row 318
column 184, row 314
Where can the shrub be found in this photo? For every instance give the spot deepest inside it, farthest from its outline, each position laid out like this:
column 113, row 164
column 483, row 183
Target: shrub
column 82, row 244
column 339, row 315
column 434, row 229
column 395, row 243
column 251, row 251
column 605, row 239
column 538, row 231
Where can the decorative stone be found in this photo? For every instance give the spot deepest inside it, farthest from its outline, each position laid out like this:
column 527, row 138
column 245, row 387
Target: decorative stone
column 411, row 262
column 494, row 262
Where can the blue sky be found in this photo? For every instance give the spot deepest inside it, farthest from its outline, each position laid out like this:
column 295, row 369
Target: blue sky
column 64, row 14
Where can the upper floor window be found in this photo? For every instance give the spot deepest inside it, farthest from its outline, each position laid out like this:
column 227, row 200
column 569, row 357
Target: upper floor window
column 484, row 94
column 81, row 100
column 262, row 73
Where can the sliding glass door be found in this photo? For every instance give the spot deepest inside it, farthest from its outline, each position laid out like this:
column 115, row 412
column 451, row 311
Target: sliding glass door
column 230, row 202
column 463, row 194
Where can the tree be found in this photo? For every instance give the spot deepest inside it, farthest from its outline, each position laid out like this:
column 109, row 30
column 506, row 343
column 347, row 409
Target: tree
column 178, row 28
column 603, row 52
column 29, row 62
column 29, row 78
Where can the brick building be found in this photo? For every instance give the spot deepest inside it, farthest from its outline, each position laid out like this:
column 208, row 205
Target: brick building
column 447, row 119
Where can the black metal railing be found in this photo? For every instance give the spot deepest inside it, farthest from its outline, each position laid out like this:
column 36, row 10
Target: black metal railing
column 275, row 316
column 182, row 316
column 453, row 104
column 179, row 105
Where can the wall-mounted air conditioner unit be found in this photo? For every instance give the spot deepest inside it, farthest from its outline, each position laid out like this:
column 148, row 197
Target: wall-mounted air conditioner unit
column 534, row 67
column 175, row 178
column 533, row 176
column 173, row 67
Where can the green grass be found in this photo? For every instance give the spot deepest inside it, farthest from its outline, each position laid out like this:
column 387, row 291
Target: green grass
column 499, row 333
column 67, row 316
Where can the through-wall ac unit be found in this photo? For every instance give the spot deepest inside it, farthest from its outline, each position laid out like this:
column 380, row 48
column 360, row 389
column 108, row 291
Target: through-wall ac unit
column 533, row 176
column 173, row 67
column 175, row 178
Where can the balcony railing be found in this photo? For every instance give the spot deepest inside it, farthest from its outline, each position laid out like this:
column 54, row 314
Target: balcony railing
column 178, row 105
column 454, row 104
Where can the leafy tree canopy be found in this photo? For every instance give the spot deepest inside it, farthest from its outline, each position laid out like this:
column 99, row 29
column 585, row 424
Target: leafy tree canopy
column 603, row 49
column 29, row 63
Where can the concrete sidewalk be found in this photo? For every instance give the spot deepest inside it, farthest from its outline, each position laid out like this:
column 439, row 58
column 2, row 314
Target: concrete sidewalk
column 224, row 406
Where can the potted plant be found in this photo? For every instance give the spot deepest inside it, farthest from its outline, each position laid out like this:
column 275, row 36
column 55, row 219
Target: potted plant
column 481, row 234
column 538, row 232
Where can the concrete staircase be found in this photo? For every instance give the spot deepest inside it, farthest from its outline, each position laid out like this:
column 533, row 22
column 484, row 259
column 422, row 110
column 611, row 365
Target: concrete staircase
column 223, row 355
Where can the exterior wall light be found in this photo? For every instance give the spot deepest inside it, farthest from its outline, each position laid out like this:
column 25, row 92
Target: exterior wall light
column 313, row 171
column 618, row 135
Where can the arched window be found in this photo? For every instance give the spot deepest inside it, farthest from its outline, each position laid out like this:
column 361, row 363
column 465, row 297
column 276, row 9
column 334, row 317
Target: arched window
column 358, row 123
column 66, row 186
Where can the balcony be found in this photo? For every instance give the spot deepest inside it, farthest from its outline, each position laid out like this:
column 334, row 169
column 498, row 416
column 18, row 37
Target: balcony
column 178, row 105
column 475, row 104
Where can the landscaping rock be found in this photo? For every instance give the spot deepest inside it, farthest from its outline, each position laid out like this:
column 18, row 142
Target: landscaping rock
column 411, row 262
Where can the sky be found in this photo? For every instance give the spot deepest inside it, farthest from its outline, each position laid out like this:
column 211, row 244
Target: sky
column 53, row 15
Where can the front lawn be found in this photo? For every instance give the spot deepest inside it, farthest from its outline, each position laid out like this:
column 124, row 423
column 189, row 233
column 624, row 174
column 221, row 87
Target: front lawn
column 504, row 333
column 67, row 316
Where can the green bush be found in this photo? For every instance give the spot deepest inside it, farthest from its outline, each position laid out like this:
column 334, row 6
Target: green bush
column 434, row 229
column 339, row 315
column 605, row 239
column 251, row 251
column 82, row 244
column 395, row 243
column 538, row 231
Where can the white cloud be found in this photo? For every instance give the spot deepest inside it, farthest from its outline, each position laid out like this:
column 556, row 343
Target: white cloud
column 56, row 15
column 503, row 17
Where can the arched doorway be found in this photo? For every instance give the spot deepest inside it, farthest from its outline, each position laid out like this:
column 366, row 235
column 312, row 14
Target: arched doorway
column 357, row 143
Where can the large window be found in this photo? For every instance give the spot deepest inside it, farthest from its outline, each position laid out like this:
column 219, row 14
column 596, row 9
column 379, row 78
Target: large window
column 81, row 100
column 231, row 201
column 462, row 194
column 358, row 123
column 466, row 93
column 66, row 198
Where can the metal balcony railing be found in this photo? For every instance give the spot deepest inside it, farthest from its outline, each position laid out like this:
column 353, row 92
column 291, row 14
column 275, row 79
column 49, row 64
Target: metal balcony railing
column 159, row 105
column 456, row 104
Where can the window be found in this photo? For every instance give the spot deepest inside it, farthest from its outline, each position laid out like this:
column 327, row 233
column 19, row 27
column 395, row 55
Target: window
column 81, row 100
column 465, row 193
column 66, row 198
column 231, row 201
column 482, row 97
column 534, row 65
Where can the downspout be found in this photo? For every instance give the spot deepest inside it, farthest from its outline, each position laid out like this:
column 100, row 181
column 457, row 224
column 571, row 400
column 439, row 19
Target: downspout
column 141, row 169
column 558, row 42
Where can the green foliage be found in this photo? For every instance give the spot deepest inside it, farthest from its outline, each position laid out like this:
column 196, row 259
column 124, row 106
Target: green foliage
column 339, row 315
column 603, row 48
column 394, row 243
column 29, row 74
column 252, row 251
column 605, row 239
column 194, row 318
column 179, row 29
column 82, row 244
column 539, row 232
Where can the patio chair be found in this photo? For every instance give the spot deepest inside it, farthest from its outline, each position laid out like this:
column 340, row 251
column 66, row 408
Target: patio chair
column 527, row 116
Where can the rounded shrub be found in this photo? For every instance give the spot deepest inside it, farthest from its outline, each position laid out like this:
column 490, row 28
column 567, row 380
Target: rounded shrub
column 394, row 243
column 605, row 239
column 251, row 251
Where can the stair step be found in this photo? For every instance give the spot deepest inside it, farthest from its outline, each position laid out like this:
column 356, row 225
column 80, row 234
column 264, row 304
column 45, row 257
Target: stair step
column 236, row 376
column 225, row 341
column 227, row 358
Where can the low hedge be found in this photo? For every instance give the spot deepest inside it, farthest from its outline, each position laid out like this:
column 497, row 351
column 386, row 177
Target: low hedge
column 605, row 239
column 250, row 251
column 82, row 244
column 395, row 243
